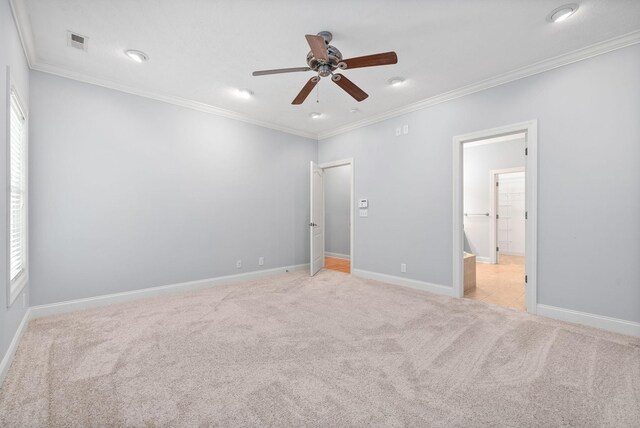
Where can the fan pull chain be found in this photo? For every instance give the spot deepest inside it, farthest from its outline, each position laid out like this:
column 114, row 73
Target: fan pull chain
column 317, row 93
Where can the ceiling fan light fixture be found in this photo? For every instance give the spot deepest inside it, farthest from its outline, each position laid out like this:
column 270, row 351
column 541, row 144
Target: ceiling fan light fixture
column 245, row 94
column 563, row 12
column 315, row 115
column 325, row 59
column 396, row 81
column 137, row 56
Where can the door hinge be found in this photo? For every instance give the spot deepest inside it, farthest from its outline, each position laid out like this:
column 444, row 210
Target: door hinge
column 497, row 248
column 526, row 151
column 526, row 215
column 497, row 216
column 525, row 279
column 497, row 184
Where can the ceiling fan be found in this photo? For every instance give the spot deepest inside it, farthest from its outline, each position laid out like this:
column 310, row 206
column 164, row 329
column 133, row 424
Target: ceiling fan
column 325, row 59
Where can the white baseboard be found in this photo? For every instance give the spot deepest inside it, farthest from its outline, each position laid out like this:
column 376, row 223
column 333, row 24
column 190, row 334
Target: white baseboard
column 508, row 253
column 404, row 282
column 615, row 325
column 13, row 346
column 337, row 255
column 485, row 260
column 108, row 299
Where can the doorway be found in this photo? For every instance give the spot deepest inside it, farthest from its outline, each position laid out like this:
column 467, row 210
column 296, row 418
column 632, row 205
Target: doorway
column 331, row 208
column 494, row 216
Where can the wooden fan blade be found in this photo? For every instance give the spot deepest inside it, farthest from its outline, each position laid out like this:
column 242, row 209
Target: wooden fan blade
column 371, row 60
column 349, row 87
column 280, row 70
column 306, row 90
column 318, row 47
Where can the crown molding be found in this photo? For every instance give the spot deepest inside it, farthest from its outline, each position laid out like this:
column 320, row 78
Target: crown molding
column 23, row 25
column 183, row 102
column 26, row 37
column 25, row 33
column 520, row 73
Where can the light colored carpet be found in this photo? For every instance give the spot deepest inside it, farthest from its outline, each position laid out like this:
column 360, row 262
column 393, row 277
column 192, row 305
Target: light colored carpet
column 328, row 351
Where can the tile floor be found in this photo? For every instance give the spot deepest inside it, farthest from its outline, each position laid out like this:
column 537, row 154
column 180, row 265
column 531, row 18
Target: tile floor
column 501, row 284
column 340, row 265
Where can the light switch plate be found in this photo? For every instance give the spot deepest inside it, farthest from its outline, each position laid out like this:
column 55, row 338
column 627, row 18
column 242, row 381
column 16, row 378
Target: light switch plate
column 405, row 129
column 363, row 203
column 398, row 132
column 364, row 213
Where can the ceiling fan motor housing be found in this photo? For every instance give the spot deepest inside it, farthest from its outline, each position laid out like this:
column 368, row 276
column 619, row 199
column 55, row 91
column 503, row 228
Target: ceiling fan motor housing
column 322, row 67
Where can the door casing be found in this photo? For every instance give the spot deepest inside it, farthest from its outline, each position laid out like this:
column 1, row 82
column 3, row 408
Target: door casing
column 334, row 164
column 530, row 128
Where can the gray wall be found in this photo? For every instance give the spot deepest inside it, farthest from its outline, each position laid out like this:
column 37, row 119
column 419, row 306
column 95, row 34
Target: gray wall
column 129, row 192
column 337, row 205
column 11, row 55
column 478, row 161
column 588, row 185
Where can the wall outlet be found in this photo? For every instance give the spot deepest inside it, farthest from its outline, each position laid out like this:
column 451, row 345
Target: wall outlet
column 398, row 132
column 403, row 267
column 260, row 261
column 239, row 264
column 405, row 129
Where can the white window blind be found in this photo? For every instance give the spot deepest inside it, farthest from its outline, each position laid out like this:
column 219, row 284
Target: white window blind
column 17, row 199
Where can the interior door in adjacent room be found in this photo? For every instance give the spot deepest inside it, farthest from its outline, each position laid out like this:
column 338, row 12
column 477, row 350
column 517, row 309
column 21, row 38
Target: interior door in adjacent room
column 510, row 218
column 316, row 225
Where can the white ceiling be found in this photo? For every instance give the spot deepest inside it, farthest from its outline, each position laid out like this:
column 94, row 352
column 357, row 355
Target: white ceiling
column 201, row 50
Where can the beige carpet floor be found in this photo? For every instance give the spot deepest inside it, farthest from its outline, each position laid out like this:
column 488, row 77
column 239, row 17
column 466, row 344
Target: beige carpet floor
column 328, row 351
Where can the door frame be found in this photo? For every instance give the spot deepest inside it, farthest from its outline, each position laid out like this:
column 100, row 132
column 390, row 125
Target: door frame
column 493, row 208
column 530, row 128
column 335, row 164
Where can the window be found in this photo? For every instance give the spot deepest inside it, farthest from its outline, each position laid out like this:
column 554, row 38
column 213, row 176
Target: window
column 17, row 203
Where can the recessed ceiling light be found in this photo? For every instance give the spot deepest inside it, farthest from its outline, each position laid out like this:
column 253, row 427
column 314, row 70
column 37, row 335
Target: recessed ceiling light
column 137, row 56
column 561, row 13
column 315, row 115
column 396, row 81
column 244, row 93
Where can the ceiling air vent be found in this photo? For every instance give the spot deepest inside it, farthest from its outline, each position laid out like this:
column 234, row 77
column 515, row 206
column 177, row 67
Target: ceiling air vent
column 77, row 41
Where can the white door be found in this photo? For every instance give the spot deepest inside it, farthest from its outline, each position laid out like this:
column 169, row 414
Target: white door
column 316, row 225
column 511, row 213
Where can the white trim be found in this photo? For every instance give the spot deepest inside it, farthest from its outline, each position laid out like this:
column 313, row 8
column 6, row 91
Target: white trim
column 13, row 346
column 337, row 255
column 493, row 210
column 404, row 282
column 517, row 74
column 344, row 162
column 531, row 260
column 16, row 287
column 483, row 260
column 501, row 139
column 23, row 26
column 182, row 102
column 615, row 325
column 108, row 299
column 25, row 33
